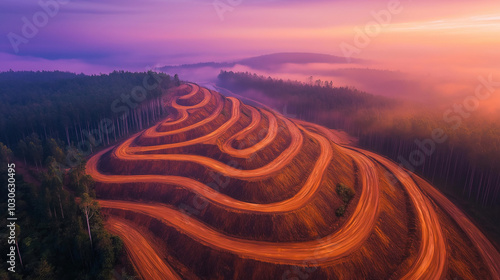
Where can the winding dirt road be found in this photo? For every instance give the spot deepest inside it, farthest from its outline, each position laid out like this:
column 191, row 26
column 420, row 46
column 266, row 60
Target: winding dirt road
column 430, row 261
column 144, row 258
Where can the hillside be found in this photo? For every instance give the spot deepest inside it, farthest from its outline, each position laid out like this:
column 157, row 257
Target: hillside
column 264, row 62
column 224, row 190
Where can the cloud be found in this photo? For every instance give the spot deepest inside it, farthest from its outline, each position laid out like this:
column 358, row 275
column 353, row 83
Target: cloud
column 19, row 63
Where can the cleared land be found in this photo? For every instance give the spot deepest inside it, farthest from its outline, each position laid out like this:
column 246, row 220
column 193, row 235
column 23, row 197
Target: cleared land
column 233, row 191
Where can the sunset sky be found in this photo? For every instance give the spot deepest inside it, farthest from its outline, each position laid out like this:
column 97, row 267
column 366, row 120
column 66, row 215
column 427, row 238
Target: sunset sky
column 100, row 36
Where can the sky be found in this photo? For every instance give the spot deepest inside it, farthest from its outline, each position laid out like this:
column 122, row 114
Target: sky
column 446, row 39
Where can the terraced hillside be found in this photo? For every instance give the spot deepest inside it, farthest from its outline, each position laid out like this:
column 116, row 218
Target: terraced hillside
column 223, row 190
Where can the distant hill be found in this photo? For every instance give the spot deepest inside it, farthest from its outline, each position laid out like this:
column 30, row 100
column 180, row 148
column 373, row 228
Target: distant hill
column 273, row 60
column 267, row 61
column 199, row 65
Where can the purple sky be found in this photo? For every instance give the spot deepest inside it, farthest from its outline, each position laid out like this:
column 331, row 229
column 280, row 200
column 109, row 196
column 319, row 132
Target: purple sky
column 99, row 36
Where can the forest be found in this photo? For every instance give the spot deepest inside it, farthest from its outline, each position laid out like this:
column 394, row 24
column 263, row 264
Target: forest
column 49, row 123
column 53, row 239
column 68, row 106
column 466, row 166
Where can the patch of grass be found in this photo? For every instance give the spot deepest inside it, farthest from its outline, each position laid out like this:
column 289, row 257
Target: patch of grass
column 340, row 211
column 346, row 193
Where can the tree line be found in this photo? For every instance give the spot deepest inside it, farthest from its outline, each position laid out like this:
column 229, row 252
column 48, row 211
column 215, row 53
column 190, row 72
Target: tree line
column 68, row 106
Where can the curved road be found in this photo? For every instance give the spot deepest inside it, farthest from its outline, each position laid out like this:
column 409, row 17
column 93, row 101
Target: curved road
column 430, row 261
column 341, row 243
column 144, row 258
column 124, row 152
column 298, row 200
